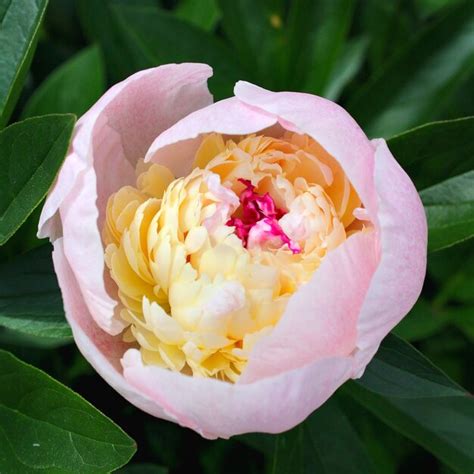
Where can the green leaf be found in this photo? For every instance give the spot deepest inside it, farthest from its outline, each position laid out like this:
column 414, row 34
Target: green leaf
column 19, row 27
column 122, row 57
column 449, row 208
column 72, row 88
column 45, row 426
column 422, row 321
column 315, row 445
column 406, row 391
column 398, row 370
column 389, row 26
column 452, row 271
column 30, row 299
column 204, row 14
column 329, row 22
column 165, row 39
column 31, row 153
column 428, row 7
column 346, row 68
column 463, row 319
column 136, row 37
column 416, row 84
column 256, row 31
column 143, row 468
column 435, row 151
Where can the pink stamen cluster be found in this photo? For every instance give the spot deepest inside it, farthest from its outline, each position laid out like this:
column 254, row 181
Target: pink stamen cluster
column 259, row 212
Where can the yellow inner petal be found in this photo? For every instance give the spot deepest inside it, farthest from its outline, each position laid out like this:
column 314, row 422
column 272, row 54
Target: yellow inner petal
column 195, row 298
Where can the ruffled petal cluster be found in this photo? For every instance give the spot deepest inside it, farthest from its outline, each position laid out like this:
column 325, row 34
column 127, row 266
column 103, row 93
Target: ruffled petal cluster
column 205, row 264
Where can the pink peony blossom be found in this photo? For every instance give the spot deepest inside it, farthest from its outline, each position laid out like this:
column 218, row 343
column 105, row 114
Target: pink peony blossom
column 348, row 261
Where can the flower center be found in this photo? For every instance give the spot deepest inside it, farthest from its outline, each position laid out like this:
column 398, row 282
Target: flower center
column 205, row 264
column 259, row 219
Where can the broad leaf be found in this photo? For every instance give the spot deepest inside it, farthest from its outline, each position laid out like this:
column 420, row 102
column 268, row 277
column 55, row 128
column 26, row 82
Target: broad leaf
column 45, row 426
column 315, row 445
column 345, row 68
column 422, row 321
column 450, row 211
column 389, row 26
column 417, row 82
column 204, row 14
column 72, row 88
column 435, row 151
column 165, row 39
column 135, row 37
column 31, row 153
column 19, row 26
column 405, row 390
column 256, row 26
column 452, row 270
column 122, row 57
column 30, row 300
column 330, row 21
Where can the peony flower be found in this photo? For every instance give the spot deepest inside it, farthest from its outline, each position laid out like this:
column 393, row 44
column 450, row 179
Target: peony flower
column 228, row 266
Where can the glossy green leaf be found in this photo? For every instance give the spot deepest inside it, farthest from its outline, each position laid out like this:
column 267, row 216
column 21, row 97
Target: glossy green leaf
column 315, row 445
column 407, row 392
column 30, row 300
column 135, row 37
column 166, row 39
column 463, row 319
column 428, row 7
column 399, row 370
column 204, row 14
column 46, row 427
column 422, row 321
column 31, row 153
column 19, row 26
column 257, row 32
column 417, row 83
column 449, row 208
column 72, row 88
column 435, row 151
column 122, row 58
column 388, row 25
column 452, row 270
column 346, row 67
column 330, row 23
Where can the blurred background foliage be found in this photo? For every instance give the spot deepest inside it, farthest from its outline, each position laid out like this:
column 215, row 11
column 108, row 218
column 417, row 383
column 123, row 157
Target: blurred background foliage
column 395, row 65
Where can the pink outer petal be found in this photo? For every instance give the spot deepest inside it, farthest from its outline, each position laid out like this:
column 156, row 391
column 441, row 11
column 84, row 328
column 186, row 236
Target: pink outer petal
column 99, row 348
column 320, row 319
column 210, row 407
column 108, row 141
column 329, row 124
column 219, row 409
column 398, row 280
column 176, row 147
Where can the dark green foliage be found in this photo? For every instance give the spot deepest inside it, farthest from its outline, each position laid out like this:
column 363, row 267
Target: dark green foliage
column 403, row 68
column 31, row 153
column 48, row 428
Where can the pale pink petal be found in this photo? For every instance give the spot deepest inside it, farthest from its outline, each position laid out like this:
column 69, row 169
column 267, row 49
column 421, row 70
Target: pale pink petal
column 176, row 147
column 321, row 317
column 329, row 124
column 108, row 141
column 399, row 277
column 100, row 349
column 219, row 409
column 208, row 406
column 50, row 223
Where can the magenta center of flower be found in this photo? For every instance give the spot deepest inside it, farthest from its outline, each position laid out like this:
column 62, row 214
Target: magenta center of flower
column 258, row 219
